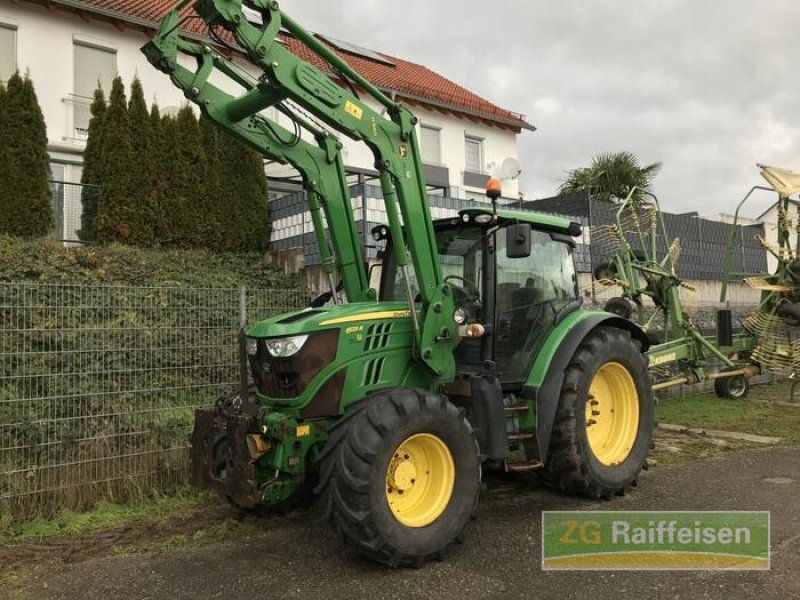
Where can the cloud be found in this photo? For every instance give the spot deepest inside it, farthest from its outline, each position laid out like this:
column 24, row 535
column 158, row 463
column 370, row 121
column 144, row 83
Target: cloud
column 707, row 88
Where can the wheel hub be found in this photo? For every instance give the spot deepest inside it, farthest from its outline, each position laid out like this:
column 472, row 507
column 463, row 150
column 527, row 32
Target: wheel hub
column 612, row 414
column 420, row 480
column 404, row 475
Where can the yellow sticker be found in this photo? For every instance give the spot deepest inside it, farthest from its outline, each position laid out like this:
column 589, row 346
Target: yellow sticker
column 302, row 430
column 402, row 150
column 353, row 109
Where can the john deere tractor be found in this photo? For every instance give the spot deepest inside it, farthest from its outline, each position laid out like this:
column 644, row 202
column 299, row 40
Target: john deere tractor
column 475, row 353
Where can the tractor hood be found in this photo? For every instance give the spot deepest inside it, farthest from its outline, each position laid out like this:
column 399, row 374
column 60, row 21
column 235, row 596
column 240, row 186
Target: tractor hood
column 327, row 317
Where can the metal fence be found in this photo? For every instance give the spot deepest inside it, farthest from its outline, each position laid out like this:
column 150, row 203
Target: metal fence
column 98, row 386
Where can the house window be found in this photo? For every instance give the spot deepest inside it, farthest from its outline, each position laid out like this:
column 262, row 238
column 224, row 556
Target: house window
column 93, row 66
column 430, row 145
column 8, row 52
column 473, row 153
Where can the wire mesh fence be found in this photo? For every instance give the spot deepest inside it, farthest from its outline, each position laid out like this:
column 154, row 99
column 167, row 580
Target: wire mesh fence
column 98, row 385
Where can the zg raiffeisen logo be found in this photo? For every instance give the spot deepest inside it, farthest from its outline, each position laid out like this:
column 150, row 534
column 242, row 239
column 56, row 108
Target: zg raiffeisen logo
column 655, row 540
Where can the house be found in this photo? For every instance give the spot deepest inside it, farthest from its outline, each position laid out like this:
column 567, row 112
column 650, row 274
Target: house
column 67, row 46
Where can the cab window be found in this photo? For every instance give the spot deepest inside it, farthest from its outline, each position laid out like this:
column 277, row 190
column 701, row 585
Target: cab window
column 531, row 291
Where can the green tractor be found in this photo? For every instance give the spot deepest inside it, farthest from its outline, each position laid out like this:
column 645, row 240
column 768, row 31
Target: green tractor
column 475, row 353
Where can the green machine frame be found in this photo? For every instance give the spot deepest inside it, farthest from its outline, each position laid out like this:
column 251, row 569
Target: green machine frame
column 393, row 142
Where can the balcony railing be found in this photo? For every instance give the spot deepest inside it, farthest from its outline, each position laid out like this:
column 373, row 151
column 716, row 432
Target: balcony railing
column 78, row 116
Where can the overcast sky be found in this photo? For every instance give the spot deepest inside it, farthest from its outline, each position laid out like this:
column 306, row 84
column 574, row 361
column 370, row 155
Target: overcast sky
column 707, row 88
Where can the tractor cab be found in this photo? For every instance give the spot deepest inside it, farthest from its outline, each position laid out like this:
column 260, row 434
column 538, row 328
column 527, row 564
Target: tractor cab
column 512, row 272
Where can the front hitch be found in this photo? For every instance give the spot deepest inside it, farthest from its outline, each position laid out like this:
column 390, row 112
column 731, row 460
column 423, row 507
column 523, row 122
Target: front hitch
column 222, row 455
column 250, row 456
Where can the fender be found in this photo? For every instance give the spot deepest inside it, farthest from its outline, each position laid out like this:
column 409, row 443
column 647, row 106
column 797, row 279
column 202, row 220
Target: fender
column 547, row 394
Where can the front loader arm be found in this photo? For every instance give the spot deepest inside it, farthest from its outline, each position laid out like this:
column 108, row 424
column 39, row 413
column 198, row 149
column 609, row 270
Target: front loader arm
column 392, row 140
column 320, row 166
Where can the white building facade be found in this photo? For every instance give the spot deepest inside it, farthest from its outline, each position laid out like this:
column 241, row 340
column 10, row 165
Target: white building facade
column 68, row 46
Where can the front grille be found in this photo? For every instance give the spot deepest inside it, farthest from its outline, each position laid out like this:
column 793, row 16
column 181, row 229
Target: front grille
column 288, row 377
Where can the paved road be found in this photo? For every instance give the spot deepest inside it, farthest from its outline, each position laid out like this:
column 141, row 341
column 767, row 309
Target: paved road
column 299, row 557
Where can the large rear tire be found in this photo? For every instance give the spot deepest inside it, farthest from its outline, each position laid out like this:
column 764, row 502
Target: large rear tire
column 604, row 422
column 400, row 476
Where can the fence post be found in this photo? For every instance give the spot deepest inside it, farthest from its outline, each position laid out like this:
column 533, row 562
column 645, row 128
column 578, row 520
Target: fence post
column 244, row 380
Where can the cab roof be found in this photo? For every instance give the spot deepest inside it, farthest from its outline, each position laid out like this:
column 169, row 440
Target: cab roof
column 536, row 219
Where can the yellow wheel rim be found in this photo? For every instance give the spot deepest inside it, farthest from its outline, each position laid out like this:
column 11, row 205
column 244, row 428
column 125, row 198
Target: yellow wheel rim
column 612, row 414
column 420, row 480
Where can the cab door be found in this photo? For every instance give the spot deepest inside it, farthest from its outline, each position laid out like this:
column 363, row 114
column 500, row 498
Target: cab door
column 531, row 292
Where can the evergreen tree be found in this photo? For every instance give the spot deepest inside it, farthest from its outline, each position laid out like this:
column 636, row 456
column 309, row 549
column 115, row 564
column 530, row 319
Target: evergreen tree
column 25, row 208
column 91, row 165
column 245, row 225
column 158, row 181
column 164, row 189
column 5, row 162
column 214, row 211
column 114, row 210
column 189, row 222
column 141, row 210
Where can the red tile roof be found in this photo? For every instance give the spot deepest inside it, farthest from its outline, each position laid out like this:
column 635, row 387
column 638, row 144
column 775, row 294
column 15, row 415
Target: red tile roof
column 413, row 82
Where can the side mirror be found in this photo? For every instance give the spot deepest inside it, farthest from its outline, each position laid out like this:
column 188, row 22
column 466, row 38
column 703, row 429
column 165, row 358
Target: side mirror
column 371, row 271
column 518, row 240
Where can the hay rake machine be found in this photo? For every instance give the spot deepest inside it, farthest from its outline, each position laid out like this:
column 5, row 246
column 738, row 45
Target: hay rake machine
column 775, row 323
column 641, row 261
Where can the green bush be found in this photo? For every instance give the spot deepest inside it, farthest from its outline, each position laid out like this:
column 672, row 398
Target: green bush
column 48, row 261
column 107, row 350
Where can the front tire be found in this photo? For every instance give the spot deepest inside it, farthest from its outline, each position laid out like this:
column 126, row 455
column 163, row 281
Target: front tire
column 400, row 476
column 604, row 422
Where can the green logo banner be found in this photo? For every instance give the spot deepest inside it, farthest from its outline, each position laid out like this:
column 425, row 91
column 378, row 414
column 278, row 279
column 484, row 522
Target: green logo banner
column 655, row 540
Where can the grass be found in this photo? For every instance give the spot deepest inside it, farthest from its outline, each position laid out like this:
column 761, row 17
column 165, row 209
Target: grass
column 763, row 412
column 106, row 515
column 758, row 413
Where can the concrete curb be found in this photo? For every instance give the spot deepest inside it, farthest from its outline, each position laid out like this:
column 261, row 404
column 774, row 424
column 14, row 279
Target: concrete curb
column 732, row 435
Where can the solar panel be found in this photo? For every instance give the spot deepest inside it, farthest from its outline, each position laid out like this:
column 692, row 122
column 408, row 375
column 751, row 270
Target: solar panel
column 356, row 50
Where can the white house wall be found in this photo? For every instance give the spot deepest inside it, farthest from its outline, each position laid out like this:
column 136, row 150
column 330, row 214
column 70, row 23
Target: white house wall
column 45, row 49
column 498, row 144
column 45, row 40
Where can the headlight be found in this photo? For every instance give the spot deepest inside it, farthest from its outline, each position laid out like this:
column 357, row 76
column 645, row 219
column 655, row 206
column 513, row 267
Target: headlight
column 460, row 315
column 286, row 346
column 252, row 346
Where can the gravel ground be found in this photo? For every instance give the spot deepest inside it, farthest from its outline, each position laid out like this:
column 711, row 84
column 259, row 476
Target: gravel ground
column 299, row 557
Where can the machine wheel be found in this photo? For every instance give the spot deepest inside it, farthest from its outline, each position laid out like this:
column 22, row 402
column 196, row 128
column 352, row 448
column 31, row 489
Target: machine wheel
column 620, row 307
column 400, row 476
column 604, row 421
column 732, row 388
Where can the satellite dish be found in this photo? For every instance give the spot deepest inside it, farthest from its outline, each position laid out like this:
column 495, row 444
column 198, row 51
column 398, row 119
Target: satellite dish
column 510, row 169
